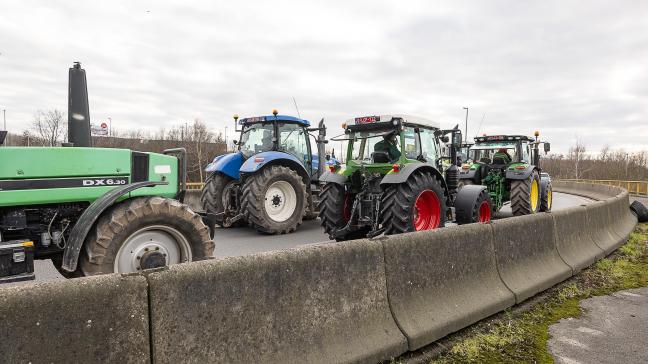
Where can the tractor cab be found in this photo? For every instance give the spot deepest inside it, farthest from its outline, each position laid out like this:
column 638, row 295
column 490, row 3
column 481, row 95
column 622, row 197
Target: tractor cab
column 379, row 142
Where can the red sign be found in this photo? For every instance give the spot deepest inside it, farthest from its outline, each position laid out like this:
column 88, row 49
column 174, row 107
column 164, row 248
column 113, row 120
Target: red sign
column 104, row 126
column 367, row 119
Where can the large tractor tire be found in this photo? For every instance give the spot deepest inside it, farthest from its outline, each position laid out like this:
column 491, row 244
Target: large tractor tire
column 473, row 204
column 274, row 200
column 215, row 194
column 144, row 233
column 464, row 182
column 525, row 195
column 546, row 200
column 640, row 210
column 335, row 211
column 416, row 204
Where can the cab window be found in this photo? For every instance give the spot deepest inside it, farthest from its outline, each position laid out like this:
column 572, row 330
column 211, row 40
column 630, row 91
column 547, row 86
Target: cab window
column 411, row 145
column 293, row 139
column 429, row 145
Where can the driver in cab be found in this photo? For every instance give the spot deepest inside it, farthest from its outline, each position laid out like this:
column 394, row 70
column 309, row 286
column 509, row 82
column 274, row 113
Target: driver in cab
column 389, row 146
column 504, row 155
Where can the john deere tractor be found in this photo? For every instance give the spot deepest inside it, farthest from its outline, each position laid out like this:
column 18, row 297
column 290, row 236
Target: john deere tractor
column 271, row 181
column 508, row 165
column 93, row 210
column 394, row 180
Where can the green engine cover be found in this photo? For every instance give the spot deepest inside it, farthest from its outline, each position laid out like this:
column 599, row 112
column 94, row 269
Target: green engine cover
column 34, row 175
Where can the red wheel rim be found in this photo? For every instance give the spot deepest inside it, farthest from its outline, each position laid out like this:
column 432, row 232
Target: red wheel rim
column 427, row 211
column 484, row 212
column 346, row 212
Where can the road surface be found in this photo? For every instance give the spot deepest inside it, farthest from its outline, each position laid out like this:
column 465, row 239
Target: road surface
column 244, row 240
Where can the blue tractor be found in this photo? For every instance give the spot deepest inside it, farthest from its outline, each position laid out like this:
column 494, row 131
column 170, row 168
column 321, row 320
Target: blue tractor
column 271, row 181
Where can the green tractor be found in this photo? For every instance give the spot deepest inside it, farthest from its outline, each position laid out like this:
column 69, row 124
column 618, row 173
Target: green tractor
column 93, row 210
column 508, row 165
column 394, row 180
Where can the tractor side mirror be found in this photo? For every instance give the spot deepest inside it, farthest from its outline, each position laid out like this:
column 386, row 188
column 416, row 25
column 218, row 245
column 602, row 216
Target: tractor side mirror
column 235, row 142
column 445, row 139
column 547, row 147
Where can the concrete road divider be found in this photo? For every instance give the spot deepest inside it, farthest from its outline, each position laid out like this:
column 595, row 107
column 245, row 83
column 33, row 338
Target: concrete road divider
column 444, row 280
column 325, row 303
column 100, row 319
column 527, row 257
column 573, row 241
column 600, row 223
column 590, row 190
column 625, row 220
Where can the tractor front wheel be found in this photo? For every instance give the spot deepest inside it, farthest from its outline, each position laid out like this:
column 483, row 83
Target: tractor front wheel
column 473, row 204
column 525, row 195
column 547, row 197
column 215, row 196
column 144, row 233
column 274, row 200
column 417, row 204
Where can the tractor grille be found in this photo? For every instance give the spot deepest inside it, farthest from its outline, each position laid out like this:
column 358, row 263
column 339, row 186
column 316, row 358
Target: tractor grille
column 139, row 167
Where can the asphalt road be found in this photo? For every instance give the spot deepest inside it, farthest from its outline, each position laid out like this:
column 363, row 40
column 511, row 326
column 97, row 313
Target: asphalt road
column 244, row 240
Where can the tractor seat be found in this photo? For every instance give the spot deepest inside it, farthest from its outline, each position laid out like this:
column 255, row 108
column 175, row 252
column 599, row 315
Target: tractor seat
column 380, row 157
column 498, row 163
column 485, row 160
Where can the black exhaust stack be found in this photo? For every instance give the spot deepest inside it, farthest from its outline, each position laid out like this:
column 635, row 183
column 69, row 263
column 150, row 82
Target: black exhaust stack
column 78, row 109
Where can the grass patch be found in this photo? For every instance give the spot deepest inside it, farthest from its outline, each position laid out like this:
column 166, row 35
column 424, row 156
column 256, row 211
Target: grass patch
column 522, row 337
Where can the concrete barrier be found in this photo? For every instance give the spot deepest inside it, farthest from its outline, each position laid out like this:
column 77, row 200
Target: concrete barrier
column 325, row 303
column 590, row 190
column 88, row 320
column 444, row 280
column 600, row 223
column 527, row 258
column 573, row 240
column 625, row 220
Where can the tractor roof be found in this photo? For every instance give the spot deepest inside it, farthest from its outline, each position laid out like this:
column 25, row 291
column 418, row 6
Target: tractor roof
column 408, row 119
column 274, row 118
column 502, row 138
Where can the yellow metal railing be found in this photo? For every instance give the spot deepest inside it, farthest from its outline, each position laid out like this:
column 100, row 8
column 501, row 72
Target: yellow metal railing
column 195, row 185
column 633, row 187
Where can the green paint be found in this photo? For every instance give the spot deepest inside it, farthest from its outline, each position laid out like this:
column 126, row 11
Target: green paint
column 24, row 163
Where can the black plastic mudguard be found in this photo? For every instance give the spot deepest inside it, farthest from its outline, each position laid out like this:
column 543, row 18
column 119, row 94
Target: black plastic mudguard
column 329, row 177
column 523, row 174
column 465, row 202
column 89, row 217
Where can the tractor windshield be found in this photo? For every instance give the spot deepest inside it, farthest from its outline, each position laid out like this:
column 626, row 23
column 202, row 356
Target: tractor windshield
column 491, row 153
column 365, row 143
column 256, row 138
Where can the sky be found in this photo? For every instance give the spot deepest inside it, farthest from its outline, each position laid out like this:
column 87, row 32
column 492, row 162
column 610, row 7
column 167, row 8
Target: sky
column 574, row 70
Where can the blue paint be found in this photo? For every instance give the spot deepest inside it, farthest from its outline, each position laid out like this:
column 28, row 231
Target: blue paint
column 228, row 164
column 259, row 160
column 272, row 118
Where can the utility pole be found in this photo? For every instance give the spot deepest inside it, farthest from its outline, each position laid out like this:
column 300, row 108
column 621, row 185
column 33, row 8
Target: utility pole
column 226, row 143
column 109, row 126
column 466, row 135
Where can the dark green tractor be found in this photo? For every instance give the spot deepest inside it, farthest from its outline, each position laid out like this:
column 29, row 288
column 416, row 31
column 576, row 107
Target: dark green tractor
column 508, row 165
column 394, row 180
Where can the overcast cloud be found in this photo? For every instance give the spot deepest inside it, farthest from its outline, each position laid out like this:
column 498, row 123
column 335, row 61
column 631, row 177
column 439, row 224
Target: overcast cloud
column 568, row 68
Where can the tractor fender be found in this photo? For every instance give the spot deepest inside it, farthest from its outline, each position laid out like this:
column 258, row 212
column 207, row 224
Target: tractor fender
column 262, row 160
column 89, row 217
column 329, row 177
column 466, row 201
column 228, row 164
column 408, row 169
column 520, row 174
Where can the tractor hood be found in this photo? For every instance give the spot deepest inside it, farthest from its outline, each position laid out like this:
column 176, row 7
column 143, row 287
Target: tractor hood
column 228, row 164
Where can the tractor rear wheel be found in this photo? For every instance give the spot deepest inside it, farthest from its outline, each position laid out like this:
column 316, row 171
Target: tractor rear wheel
column 547, row 198
column 417, row 204
column 525, row 195
column 144, row 233
column 215, row 196
column 335, row 211
column 274, row 200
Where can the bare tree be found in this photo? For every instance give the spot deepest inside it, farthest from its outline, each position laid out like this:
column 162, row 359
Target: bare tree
column 49, row 127
column 577, row 155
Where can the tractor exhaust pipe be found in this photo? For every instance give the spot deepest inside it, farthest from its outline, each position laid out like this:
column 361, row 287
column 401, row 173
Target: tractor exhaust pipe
column 78, row 108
